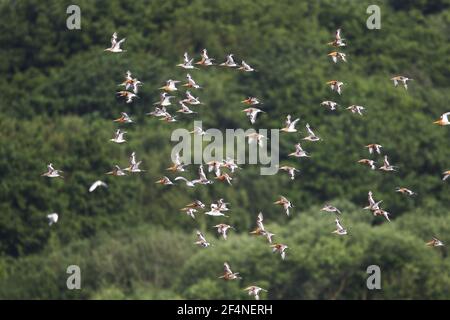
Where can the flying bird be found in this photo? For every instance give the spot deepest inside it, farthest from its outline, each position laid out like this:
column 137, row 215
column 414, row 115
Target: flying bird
column 374, row 148
column 252, row 114
column 386, row 166
column 401, row 79
column 330, row 104
column 340, row 230
column 116, row 171
column 330, row 208
column 356, row 109
column 118, row 136
column 299, row 152
column 443, row 121
column 254, row 291
column 336, row 85
column 229, row 62
column 164, row 181
column 311, row 135
column 228, row 274
column 245, row 67
column 289, row 126
column 281, row 248
column 405, row 191
column 290, row 170
column 435, row 242
column 97, row 184
column 336, row 56
column 187, row 62
column 368, row 162
column 129, row 96
column 52, row 218
column 52, row 172
column 115, row 45
column 171, row 85
column 201, row 240
column 285, row 203
column 222, row 229
column 124, row 118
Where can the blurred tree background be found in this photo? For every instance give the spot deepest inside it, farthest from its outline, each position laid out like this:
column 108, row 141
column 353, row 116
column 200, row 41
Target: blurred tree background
column 131, row 241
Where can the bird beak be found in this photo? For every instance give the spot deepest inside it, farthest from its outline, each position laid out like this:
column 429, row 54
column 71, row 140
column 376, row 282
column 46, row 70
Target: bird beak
column 437, row 122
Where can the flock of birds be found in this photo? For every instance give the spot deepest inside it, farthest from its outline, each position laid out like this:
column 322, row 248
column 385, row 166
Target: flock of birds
column 223, row 170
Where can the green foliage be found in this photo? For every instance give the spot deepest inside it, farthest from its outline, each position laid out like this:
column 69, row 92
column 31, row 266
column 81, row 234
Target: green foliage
column 58, row 104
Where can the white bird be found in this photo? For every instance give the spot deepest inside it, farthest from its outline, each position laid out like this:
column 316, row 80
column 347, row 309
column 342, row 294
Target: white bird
column 118, row 137
column 381, row 212
column 97, row 184
column 435, row 242
column 134, row 165
column 198, row 131
column 190, row 99
column 289, row 126
column 202, row 177
column 446, row 175
column 256, row 137
column 260, row 230
column 336, row 85
column 372, row 204
column 201, row 240
column 115, row 45
column 188, row 182
column 368, row 162
column 222, row 229
column 336, row 56
column 187, row 62
column 158, row 112
column 330, row 104
column 356, row 109
column 191, row 83
column 401, row 79
column 52, row 172
column 116, row 171
column 164, row 181
column 311, row 135
column 330, row 208
column 251, row 101
column 340, row 230
column 171, row 85
column 443, row 121
column 129, row 96
column 373, row 147
column 164, row 100
column 254, row 291
column 281, row 248
column 190, row 212
column 245, row 67
column 285, row 203
column 52, row 218
column 386, row 166
column 230, row 164
column 229, row 62
column 338, row 41
column 252, row 113
column 405, row 191
column 228, row 274
column 124, row 118
column 205, row 60
column 290, row 170
column 184, row 108
column 299, row 152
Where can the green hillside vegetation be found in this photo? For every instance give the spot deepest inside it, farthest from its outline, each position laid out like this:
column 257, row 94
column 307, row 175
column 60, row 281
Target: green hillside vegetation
column 131, row 241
